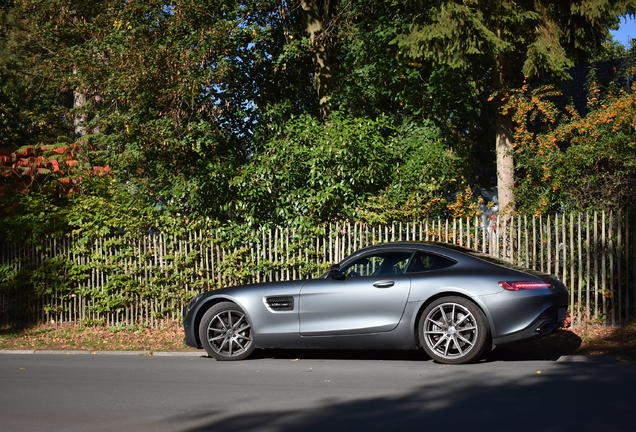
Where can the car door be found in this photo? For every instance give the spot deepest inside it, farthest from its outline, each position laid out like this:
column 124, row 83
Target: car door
column 371, row 299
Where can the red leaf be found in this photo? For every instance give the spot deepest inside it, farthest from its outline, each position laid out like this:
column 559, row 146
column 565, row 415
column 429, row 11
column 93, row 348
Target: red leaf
column 101, row 170
column 55, row 165
column 71, row 163
column 24, row 152
column 60, row 150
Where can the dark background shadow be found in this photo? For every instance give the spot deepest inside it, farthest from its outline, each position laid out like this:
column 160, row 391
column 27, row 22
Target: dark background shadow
column 570, row 397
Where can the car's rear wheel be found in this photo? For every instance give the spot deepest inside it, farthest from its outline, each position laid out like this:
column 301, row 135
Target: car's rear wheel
column 226, row 332
column 454, row 330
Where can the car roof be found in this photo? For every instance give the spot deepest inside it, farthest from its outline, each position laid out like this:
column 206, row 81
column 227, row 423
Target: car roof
column 452, row 251
column 457, row 253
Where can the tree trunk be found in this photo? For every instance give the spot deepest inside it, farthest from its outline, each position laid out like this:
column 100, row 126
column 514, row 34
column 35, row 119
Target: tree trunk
column 80, row 98
column 505, row 164
column 79, row 122
column 503, row 141
column 316, row 17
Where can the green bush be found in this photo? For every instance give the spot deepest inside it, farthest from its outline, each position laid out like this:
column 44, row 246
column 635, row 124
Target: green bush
column 313, row 172
column 426, row 177
column 346, row 168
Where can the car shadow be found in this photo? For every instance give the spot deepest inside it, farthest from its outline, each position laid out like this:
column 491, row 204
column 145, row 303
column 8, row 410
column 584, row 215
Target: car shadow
column 568, row 397
column 560, row 343
column 327, row 354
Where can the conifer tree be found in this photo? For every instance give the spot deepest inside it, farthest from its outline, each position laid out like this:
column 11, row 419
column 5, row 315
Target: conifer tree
column 512, row 39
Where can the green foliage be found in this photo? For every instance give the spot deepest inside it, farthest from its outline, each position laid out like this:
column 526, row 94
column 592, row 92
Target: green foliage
column 315, row 172
column 497, row 45
column 55, row 276
column 30, row 108
column 599, row 165
column 425, row 178
column 512, row 38
column 611, row 50
column 577, row 162
column 7, row 278
column 428, row 169
column 206, row 114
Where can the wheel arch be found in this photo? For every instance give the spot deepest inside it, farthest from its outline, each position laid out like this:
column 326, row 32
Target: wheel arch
column 436, row 296
column 204, row 307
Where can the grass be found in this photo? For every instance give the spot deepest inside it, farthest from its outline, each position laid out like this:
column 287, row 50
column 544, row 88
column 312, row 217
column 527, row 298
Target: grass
column 593, row 340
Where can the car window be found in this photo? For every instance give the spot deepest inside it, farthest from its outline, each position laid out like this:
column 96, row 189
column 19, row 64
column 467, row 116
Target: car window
column 378, row 264
column 426, row 262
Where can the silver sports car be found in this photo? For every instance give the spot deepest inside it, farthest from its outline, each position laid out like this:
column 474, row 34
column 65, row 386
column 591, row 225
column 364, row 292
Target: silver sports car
column 454, row 303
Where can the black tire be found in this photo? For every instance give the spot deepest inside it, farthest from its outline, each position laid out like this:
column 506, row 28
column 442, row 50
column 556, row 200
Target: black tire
column 454, row 330
column 225, row 332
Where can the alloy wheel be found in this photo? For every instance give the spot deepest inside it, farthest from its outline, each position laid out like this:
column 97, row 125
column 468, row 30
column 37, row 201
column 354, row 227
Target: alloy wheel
column 229, row 333
column 450, row 330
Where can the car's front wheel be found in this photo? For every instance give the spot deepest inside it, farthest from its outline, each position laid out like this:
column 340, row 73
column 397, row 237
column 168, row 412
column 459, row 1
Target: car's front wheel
column 454, row 330
column 226, row 332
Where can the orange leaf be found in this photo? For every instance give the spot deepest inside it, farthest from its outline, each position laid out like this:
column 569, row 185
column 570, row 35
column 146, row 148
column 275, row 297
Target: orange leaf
column 101, row 170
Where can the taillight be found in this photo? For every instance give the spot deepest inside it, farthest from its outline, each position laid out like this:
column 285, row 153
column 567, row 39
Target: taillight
column 518, row 286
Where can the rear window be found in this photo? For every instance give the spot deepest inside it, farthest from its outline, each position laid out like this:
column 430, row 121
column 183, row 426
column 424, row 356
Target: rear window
column 493, row 260
column 483, row 256
column 422, row 262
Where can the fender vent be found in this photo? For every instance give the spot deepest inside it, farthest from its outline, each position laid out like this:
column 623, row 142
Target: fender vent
column 280, row 303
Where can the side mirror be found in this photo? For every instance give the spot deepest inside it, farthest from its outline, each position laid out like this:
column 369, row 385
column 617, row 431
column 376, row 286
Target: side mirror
column 335, row 273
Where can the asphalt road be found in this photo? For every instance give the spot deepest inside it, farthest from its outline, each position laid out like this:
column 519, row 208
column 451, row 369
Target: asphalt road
column 320, row 392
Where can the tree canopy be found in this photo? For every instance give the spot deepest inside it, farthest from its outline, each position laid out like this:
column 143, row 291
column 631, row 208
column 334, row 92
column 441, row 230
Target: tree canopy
column 299, row 112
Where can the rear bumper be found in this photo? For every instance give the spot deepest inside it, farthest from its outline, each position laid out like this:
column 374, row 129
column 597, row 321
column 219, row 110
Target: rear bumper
column 524, row 314
column 546, row 323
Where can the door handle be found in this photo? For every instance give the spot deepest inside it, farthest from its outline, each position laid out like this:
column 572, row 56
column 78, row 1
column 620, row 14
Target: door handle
column 384, row 284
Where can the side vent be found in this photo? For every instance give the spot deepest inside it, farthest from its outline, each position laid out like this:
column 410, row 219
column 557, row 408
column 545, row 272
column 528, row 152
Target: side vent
column 280, row 303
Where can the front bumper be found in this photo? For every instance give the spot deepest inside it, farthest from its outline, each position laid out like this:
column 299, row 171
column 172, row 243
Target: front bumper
column 190, row 339
column 189, row 330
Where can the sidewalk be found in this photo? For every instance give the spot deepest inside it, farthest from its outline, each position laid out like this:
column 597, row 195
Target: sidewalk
column 116, row 353
column 573, row 358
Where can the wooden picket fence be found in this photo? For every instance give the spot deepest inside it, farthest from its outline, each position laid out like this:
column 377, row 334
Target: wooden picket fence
column 593, row 253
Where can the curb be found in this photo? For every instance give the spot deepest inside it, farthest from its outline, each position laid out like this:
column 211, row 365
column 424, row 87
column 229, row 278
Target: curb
column 107, row 353
column 582, row 358
column 575, row 358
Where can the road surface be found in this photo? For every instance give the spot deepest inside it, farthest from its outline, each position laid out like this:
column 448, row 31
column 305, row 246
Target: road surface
column 320, row 392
